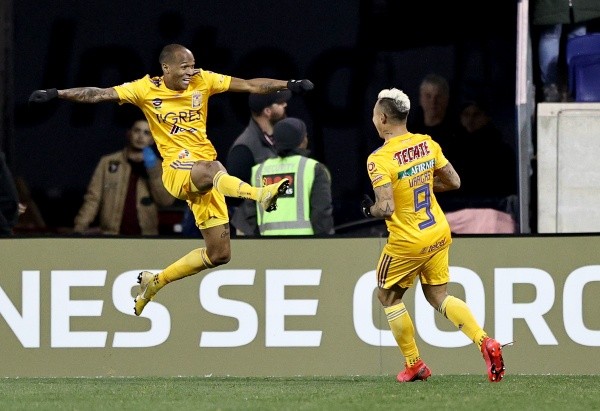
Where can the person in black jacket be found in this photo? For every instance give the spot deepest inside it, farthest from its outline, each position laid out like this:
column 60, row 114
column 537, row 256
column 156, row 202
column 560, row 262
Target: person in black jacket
column 479, row 145
column 434, row 114
column 255, row 144
column 9, row 199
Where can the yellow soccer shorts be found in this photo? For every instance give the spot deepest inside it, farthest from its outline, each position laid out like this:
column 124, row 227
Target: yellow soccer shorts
column 210, row 209
column 432, row 269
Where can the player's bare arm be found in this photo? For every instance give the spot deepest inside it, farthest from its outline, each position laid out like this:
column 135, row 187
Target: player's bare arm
column 78, row 95
column 257, row 85
column 384, row 201
column 269, row 85
column 88, row 94
column 446, row 179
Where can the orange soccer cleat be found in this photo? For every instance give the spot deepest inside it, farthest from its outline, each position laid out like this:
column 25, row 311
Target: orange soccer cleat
column 492, row 354
column 418, row 372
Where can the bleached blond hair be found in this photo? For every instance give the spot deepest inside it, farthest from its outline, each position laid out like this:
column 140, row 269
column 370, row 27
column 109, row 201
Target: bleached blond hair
column 399, row 98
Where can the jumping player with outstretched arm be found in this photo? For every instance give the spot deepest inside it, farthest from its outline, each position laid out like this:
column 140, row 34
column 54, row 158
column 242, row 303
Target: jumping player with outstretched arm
column 175, row 105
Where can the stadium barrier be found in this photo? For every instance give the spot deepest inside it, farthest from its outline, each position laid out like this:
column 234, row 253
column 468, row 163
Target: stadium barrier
column 288, row 307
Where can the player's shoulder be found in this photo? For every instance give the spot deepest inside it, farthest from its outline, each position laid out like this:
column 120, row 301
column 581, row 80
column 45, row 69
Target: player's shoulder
column 155, row 81
column 209, row 73
column 421, row 136
column 427, row 139
column 375, row 156
column 145, row 82
column 144, row 79
column 208, row 76
column 149, row 82
column 376, row 151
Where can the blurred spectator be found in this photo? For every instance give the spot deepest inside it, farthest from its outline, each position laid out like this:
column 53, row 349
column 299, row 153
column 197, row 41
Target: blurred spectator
column 30, row 219
column 486, row 164
column 306, row 208
column 255, row 144
column 10, row 208
column 433, row 115
column 126, row 189
column 559, row 20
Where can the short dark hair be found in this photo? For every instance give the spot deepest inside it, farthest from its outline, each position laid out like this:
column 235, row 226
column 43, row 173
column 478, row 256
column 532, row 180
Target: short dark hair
column 168, row 52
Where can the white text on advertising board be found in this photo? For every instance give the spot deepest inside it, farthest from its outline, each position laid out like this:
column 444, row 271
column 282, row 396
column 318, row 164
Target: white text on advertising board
column 24, row 321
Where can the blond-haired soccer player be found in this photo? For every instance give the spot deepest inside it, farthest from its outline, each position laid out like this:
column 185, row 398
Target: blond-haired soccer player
column 175, row 106
column 405, row 171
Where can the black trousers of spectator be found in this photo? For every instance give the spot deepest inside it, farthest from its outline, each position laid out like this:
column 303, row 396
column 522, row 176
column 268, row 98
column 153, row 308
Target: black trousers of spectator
column 9, row 199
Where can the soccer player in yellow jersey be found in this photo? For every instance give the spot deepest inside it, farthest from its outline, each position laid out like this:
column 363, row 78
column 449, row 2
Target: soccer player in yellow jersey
column 405, row 172
column 175, row 106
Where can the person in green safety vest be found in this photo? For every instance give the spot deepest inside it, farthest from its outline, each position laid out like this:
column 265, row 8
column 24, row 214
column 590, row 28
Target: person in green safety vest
column 306, row 207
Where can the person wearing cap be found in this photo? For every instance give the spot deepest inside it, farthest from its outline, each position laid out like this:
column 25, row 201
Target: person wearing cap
column 306, row 207
column 253, row 146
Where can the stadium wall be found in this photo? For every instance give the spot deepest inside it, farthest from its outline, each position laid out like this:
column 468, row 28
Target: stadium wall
column 350, row 49
column 287, row 307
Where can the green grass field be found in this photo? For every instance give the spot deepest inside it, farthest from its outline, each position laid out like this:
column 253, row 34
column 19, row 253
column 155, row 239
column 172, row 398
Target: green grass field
column 447, row 392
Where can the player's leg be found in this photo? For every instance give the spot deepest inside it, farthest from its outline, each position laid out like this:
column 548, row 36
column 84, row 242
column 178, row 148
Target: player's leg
column 216, row 252
column 208, row 174
column 211, row 216
column 150, row 283
column 434, row 279
column 210, row 213
column 394, row 277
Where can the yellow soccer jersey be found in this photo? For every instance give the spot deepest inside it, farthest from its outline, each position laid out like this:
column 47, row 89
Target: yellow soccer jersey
column 418, row 226
column 177, row 118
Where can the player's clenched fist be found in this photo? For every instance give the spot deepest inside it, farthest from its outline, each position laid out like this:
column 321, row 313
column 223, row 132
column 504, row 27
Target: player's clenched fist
column 365, row 206
column 300, row 86
column 43, row 96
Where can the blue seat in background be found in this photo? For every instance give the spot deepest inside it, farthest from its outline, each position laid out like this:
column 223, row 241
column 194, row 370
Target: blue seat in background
column 577, row 47
column 586, row 71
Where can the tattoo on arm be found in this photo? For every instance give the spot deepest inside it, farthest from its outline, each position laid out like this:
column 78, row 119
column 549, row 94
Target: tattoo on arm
column 384, row 200
column 89, row 94
column 269, row 87
column 225, row 232
column 446, row 179
column 438, row 184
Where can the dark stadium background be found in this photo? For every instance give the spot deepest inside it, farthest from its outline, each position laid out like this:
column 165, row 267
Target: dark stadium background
column 350, row 49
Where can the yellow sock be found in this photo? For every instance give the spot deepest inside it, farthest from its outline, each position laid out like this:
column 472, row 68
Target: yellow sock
column 457, row 311
column 231, row 186
column 190, row 264
column 404, row 332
